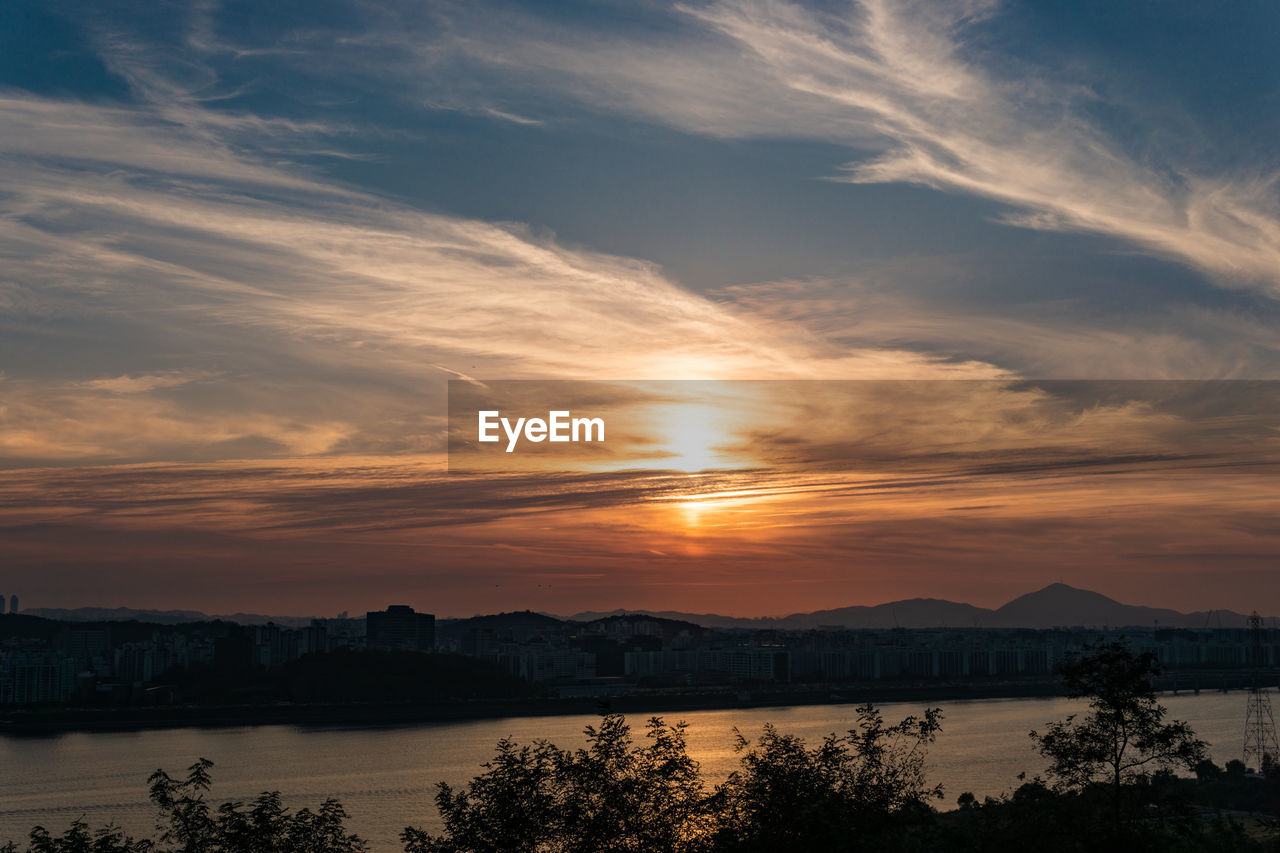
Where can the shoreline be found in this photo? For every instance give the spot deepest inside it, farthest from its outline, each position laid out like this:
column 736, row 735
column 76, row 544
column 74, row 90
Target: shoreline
column 51, row 721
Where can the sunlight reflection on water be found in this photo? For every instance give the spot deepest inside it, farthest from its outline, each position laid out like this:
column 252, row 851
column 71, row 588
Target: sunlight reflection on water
column 385, row 777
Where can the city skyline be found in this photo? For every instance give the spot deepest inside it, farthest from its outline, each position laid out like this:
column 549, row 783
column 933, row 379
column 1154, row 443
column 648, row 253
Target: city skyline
column 1052, row 606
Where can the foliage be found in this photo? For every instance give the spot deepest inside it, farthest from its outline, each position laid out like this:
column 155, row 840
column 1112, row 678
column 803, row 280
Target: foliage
column 79, row 839
column 648, row 798
column 852, row 789
column 608, row 796
column 188, row 824
column 863, row 790
column 263, row 826
column 1124, row 738
column 1231, row 789
column 1037, row 817
column 616, row 796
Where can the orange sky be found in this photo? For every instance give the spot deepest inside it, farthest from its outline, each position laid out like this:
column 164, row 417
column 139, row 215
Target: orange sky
column 243, row 259
column 1154, row 493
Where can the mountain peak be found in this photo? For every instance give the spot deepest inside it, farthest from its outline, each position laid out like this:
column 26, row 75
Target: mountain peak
column 1061, row 592
column 1060, row 604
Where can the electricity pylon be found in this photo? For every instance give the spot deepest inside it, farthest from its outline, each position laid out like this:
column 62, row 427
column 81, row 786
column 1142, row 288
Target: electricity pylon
column 1259, row 723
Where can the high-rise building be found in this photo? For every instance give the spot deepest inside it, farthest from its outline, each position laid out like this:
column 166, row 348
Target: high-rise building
column 1, row 604
column 90, row 648
column 13, row 604
column 314, row 638
column 399, row 627
column 32, row 677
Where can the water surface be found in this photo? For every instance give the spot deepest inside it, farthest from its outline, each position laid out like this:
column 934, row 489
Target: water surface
column 385, row 777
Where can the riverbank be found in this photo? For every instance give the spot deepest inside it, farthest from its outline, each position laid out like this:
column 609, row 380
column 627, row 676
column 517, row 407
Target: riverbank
column 648, row 702
column 54, row 720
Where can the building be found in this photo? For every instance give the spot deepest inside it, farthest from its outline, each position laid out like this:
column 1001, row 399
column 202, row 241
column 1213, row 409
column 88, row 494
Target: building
column 273, row 646
column 13, row 604
column 91, row 649
column 537, row 662
column 30, row 677
column 314, row 638
column 399, row 627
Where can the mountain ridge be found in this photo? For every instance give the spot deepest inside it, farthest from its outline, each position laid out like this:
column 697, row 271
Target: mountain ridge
column 158, row 617
column 1053, row 606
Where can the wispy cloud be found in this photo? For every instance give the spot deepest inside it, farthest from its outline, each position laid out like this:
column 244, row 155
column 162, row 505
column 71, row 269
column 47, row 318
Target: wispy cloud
column 129, row 419
column 961, row 527
column 1042, row 338
column 906, row 85
column 177, row 288
column 143, row 384
column 305, row 296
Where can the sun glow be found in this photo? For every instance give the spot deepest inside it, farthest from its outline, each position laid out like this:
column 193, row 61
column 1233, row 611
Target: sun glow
column 693, row 512
column 693, row 437
column 736, row 510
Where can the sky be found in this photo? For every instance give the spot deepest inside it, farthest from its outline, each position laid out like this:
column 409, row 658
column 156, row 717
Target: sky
column 246, row 246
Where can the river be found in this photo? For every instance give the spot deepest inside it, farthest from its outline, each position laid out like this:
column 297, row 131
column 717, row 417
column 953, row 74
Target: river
column 385, row 777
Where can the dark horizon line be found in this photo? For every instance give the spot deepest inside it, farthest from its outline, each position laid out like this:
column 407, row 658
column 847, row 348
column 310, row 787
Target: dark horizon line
column 591, row 615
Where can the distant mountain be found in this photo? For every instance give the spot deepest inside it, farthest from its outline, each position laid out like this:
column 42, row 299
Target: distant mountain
column 1059, row 604
column 1054, row 606
column 161, row 617
column 912, row 613
column 706, row 620
column 526, row 619
column 530, row 622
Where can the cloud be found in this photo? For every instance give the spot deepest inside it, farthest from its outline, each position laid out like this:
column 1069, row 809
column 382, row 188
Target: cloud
column 303, row 302
column 890, row 448
column 911, row 88
column 122, row 419
column 143, row 384
column 173, row 228
column 177, row 289
column 1043, row 339
column 59, row 137
column 953, row 525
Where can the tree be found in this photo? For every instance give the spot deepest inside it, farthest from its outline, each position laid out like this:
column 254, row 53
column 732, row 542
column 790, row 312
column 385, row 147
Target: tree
column 183, row 806
column 1124, row 738
column 511, row 806
column 855, row 789
column 620, row 797
column 189, row 825
column 79, row 839
column 609, row 796
column 264, row 826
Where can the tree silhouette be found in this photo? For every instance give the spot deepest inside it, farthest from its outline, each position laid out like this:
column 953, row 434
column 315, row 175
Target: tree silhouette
column 1124, row 738
column 79, row 839
column 614, row 795
column 263, row 826
column 848, row 793
column 611, row 795
column 188, row 824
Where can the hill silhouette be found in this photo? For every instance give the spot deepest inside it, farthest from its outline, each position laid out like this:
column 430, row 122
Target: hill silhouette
column 1056, row 605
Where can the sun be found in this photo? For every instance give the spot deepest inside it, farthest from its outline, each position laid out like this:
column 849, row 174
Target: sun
column 693, row 434
column 693, row 512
